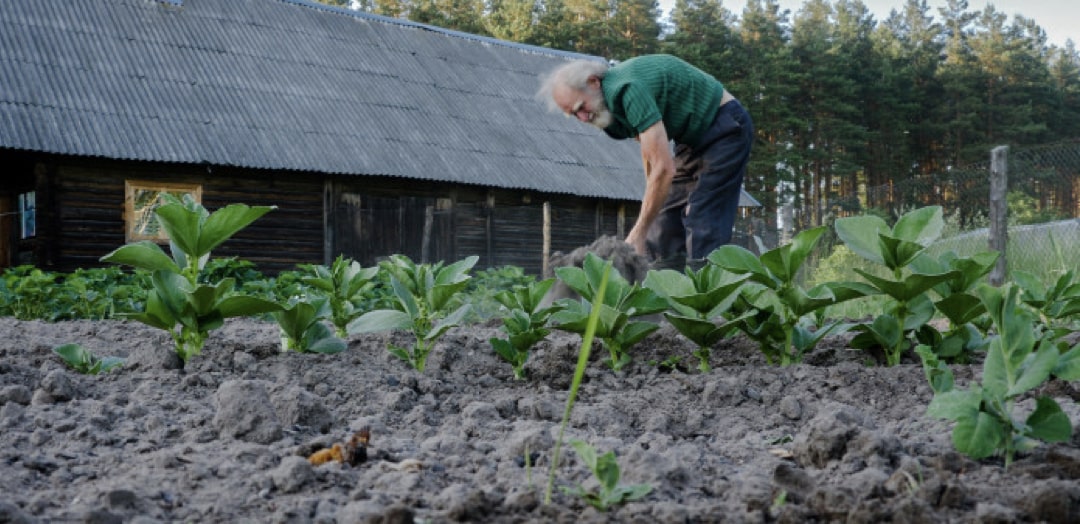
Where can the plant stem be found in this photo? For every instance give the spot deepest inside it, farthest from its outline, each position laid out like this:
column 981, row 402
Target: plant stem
column 579, row 373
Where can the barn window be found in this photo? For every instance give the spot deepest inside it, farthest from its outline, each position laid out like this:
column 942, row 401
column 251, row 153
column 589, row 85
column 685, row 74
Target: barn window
column 27, row 215
column 140, row 201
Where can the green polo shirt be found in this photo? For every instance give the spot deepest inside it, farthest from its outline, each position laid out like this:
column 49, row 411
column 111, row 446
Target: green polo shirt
column 646, row 89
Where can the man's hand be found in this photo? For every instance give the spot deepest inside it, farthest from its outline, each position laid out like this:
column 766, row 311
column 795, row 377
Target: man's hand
column 636, row 238
column 659, row 170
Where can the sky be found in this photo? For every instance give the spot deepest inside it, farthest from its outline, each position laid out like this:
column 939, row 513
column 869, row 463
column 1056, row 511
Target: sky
column 1059, row 18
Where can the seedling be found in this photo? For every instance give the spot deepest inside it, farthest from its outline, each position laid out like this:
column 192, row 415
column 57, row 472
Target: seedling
column 82, row 360
column 179, row 303
column 606, row 470
column 524, row 324
column 696, row 300
column 1016, row 362
column 895, row 248
column 343, row 283
column 302, row 328
column 772, row 309
column 424, row 297
column 619, row 304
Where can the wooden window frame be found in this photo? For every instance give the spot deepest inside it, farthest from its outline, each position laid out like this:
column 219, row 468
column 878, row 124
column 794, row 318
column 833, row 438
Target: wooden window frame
column 134, row 219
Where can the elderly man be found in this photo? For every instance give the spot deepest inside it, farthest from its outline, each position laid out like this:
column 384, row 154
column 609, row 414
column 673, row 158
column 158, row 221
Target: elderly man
column 691, row 195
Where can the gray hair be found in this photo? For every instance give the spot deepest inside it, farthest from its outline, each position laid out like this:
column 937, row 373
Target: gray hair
column 574, row 75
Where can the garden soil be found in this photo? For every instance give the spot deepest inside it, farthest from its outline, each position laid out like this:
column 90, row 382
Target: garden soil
column 227, row 437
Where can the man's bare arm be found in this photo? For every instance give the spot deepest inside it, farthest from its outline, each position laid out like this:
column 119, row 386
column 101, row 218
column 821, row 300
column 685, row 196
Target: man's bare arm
column 659, row 170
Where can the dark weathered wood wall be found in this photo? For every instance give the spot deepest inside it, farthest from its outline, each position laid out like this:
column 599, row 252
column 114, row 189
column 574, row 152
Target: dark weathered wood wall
column 84, row 216
column 81, row 206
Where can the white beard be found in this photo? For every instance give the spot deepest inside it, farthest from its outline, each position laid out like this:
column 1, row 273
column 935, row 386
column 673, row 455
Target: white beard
column 601, row 118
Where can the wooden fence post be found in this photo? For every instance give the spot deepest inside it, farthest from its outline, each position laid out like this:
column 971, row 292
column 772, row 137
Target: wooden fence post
column 545, row 250
column 999, row 210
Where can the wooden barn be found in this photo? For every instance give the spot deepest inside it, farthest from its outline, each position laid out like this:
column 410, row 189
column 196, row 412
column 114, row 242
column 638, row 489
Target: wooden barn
column 371, row 135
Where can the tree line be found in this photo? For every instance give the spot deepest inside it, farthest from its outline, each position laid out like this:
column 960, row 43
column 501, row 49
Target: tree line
column 851, row 112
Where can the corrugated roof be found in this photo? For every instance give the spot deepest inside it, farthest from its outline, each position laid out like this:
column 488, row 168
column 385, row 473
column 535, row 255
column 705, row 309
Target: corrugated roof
column 295, row 85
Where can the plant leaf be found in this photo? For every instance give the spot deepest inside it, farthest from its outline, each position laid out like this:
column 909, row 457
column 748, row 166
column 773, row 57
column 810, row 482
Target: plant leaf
column 1048, row 422
column 860, row 234
column 978, row 436
column 143, row 255
column 224, row 223
column 921, row 226
column 380, row 320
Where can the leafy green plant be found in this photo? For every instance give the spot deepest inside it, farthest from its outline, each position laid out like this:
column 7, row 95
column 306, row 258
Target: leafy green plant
column 1056, row 304
column 84, row 361
column 895, row 247
column 485, row 286
column 425, row 296
column 606, row 470
column 27, row 292
column 1016, row 363
column 343, row 284
column 774, row 310
column 302, row 328
column 695, row 301
column 620, row 303
column 178, row 303
column 525, row 323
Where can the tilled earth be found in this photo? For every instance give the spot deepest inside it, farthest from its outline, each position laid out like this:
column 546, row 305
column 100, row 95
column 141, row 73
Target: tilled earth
column 226, row 438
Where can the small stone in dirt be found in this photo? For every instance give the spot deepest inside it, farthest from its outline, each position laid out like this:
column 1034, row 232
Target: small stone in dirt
column 791, row 408
column 121, row 499
column 17, row 393
column 463, row 503
column 153, row 357
column 296, row 406
column 827, row 436
column 10, row 414
column 244, row 412
column 292, row 474
column 523, row 501
column 59, row 385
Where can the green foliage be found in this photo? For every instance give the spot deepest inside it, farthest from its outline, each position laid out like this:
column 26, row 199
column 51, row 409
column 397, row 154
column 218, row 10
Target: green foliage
column 621, row 302
column 896, row 248
column 302, row 329
column 525, row 323
column 178, row 302
column 771, row 310
column 1024, row 209
column 696, row 300
column 1056, row 305
column 958, row 303
column 343, row 284
column 1016, row 362
column 84, row 361
column 425, row 294
column 606, row 470
column 26, row 293
column 485, row 286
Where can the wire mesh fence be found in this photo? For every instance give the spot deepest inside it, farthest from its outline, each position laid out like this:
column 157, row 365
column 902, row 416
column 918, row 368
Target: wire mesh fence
column 1043, row 186
column 1046, row 249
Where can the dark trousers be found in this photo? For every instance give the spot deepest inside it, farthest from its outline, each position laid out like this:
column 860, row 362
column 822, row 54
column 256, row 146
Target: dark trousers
column 699, row 213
